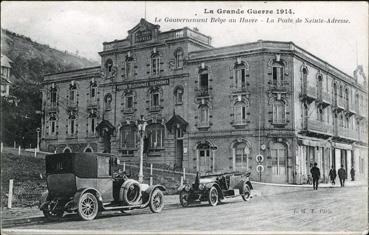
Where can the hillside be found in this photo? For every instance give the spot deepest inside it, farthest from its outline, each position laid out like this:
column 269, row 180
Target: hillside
column 31, row 60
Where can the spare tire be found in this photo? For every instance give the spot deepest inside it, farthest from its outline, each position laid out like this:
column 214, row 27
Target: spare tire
column 130, row 192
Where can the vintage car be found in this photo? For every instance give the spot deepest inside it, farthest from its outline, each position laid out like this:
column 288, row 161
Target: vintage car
column 84, row 183
column 214, row 188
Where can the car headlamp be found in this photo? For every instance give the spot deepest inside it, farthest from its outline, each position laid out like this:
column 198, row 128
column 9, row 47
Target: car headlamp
column 201, row 186
column 187, row 187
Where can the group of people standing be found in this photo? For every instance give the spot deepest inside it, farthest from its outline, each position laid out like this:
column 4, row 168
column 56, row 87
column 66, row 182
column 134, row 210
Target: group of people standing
column 342, row 175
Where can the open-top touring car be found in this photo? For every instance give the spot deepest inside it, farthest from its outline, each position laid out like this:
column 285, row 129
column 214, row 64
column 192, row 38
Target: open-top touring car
column 214, row 188
column 84, row 183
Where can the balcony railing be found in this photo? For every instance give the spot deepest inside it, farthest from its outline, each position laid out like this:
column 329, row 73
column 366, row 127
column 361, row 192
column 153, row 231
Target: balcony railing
column 319, row 127
column 309, row 93
column 340, row 103
column 202, row 92
column 347, row 133
column 324, row 97
column 156, row 108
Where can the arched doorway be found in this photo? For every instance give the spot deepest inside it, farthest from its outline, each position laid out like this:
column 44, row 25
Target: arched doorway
column 88, row 150
column 67, row 150
column 278, row 152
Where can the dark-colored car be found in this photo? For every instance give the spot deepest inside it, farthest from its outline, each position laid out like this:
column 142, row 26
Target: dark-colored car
column 214, row 188
column 84, row 183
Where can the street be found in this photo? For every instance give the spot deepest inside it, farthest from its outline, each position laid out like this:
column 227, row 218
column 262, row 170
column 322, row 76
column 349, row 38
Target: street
column 271, row 209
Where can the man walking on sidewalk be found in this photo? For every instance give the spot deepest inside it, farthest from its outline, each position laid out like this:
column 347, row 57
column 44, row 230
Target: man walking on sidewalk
column 352, row 173
column 342, row 175
column 315, row 173
column 332, row 175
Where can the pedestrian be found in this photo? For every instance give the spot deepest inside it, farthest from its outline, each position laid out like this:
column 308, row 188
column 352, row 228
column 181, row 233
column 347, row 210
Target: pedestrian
column 332, row 175
column 315, row 173
column 342, row 175
column 352, row 173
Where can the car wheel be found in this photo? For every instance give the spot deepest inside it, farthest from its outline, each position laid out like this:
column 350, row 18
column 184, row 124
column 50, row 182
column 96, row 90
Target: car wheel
column 213, row 196
column 53, row 215
column 183, row 198
column 88, row 207
column 246, row 192
column 157, row 201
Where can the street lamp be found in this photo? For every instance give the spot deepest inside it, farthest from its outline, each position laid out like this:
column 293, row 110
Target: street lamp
column 141, row 124
column 38, row 130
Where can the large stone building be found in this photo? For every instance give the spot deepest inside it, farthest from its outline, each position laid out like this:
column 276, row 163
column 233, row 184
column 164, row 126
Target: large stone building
column 211, row 109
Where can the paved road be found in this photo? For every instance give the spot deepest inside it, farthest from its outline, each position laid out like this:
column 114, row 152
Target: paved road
column 286, row 209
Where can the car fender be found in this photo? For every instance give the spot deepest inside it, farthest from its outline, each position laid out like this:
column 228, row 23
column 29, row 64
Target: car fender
column 80, row 192
column 208, row 187
column 147, row 193
column 249, row 184
column 43, row 200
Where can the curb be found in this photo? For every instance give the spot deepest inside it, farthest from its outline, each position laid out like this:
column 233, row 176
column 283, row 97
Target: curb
column 309, row 185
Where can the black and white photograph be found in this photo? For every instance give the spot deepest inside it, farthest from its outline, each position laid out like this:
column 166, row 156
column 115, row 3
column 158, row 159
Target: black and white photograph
column 184, row 117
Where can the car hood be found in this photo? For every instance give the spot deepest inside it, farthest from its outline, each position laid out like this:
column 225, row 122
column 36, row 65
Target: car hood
column 207, row 180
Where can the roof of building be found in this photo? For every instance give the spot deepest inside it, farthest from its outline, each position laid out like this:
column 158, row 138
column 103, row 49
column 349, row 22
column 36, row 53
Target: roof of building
column 5, row 61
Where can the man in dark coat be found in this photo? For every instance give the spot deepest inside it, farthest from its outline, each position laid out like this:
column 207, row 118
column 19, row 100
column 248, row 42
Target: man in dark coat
column 315, row 173
column 332, row 175
column 342, row 175
column 352, row 173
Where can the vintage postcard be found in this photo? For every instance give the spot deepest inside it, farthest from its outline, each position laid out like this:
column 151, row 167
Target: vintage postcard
column 187, row 117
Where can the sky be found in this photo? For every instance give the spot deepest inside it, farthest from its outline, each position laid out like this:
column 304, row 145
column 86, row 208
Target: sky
column 84, row 26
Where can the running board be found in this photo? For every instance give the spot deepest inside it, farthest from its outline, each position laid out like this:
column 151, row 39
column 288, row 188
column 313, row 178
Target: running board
column 124, row 207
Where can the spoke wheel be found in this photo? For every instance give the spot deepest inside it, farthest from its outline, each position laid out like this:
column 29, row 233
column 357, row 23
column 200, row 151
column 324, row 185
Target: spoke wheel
column 246, row 192
column 157, row 201
column 213, row 196
column 183, row 198
column 88, row 207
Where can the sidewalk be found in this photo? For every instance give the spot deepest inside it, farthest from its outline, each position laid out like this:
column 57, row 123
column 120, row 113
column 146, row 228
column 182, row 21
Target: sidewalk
column 348, row 183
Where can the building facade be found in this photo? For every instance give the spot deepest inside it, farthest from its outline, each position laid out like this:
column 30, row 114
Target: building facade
column 211, row 109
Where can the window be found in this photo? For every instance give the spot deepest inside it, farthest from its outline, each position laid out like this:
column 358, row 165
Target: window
column 279, row 112
column 93, row 90
column 178, row 93
column 128, row 137
column 240, row 77
column 91, row 128
column 242, row 152
column 129, row 102
column 204, row 81
column 341, row 120
column 109, row 65
column 347, row 96
column 53, row 96
column 72, row 125
column 204, row 115
column 278, row 74
column 156, row 136
column 320, row 114
column 155, row 65
column 320, row 84
column 52, row 120
column 279, row 155
column 178, row 58
column 129, row 68
column 73, row 93
column 239, row 113
column 107, row 100
column 155, row 99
